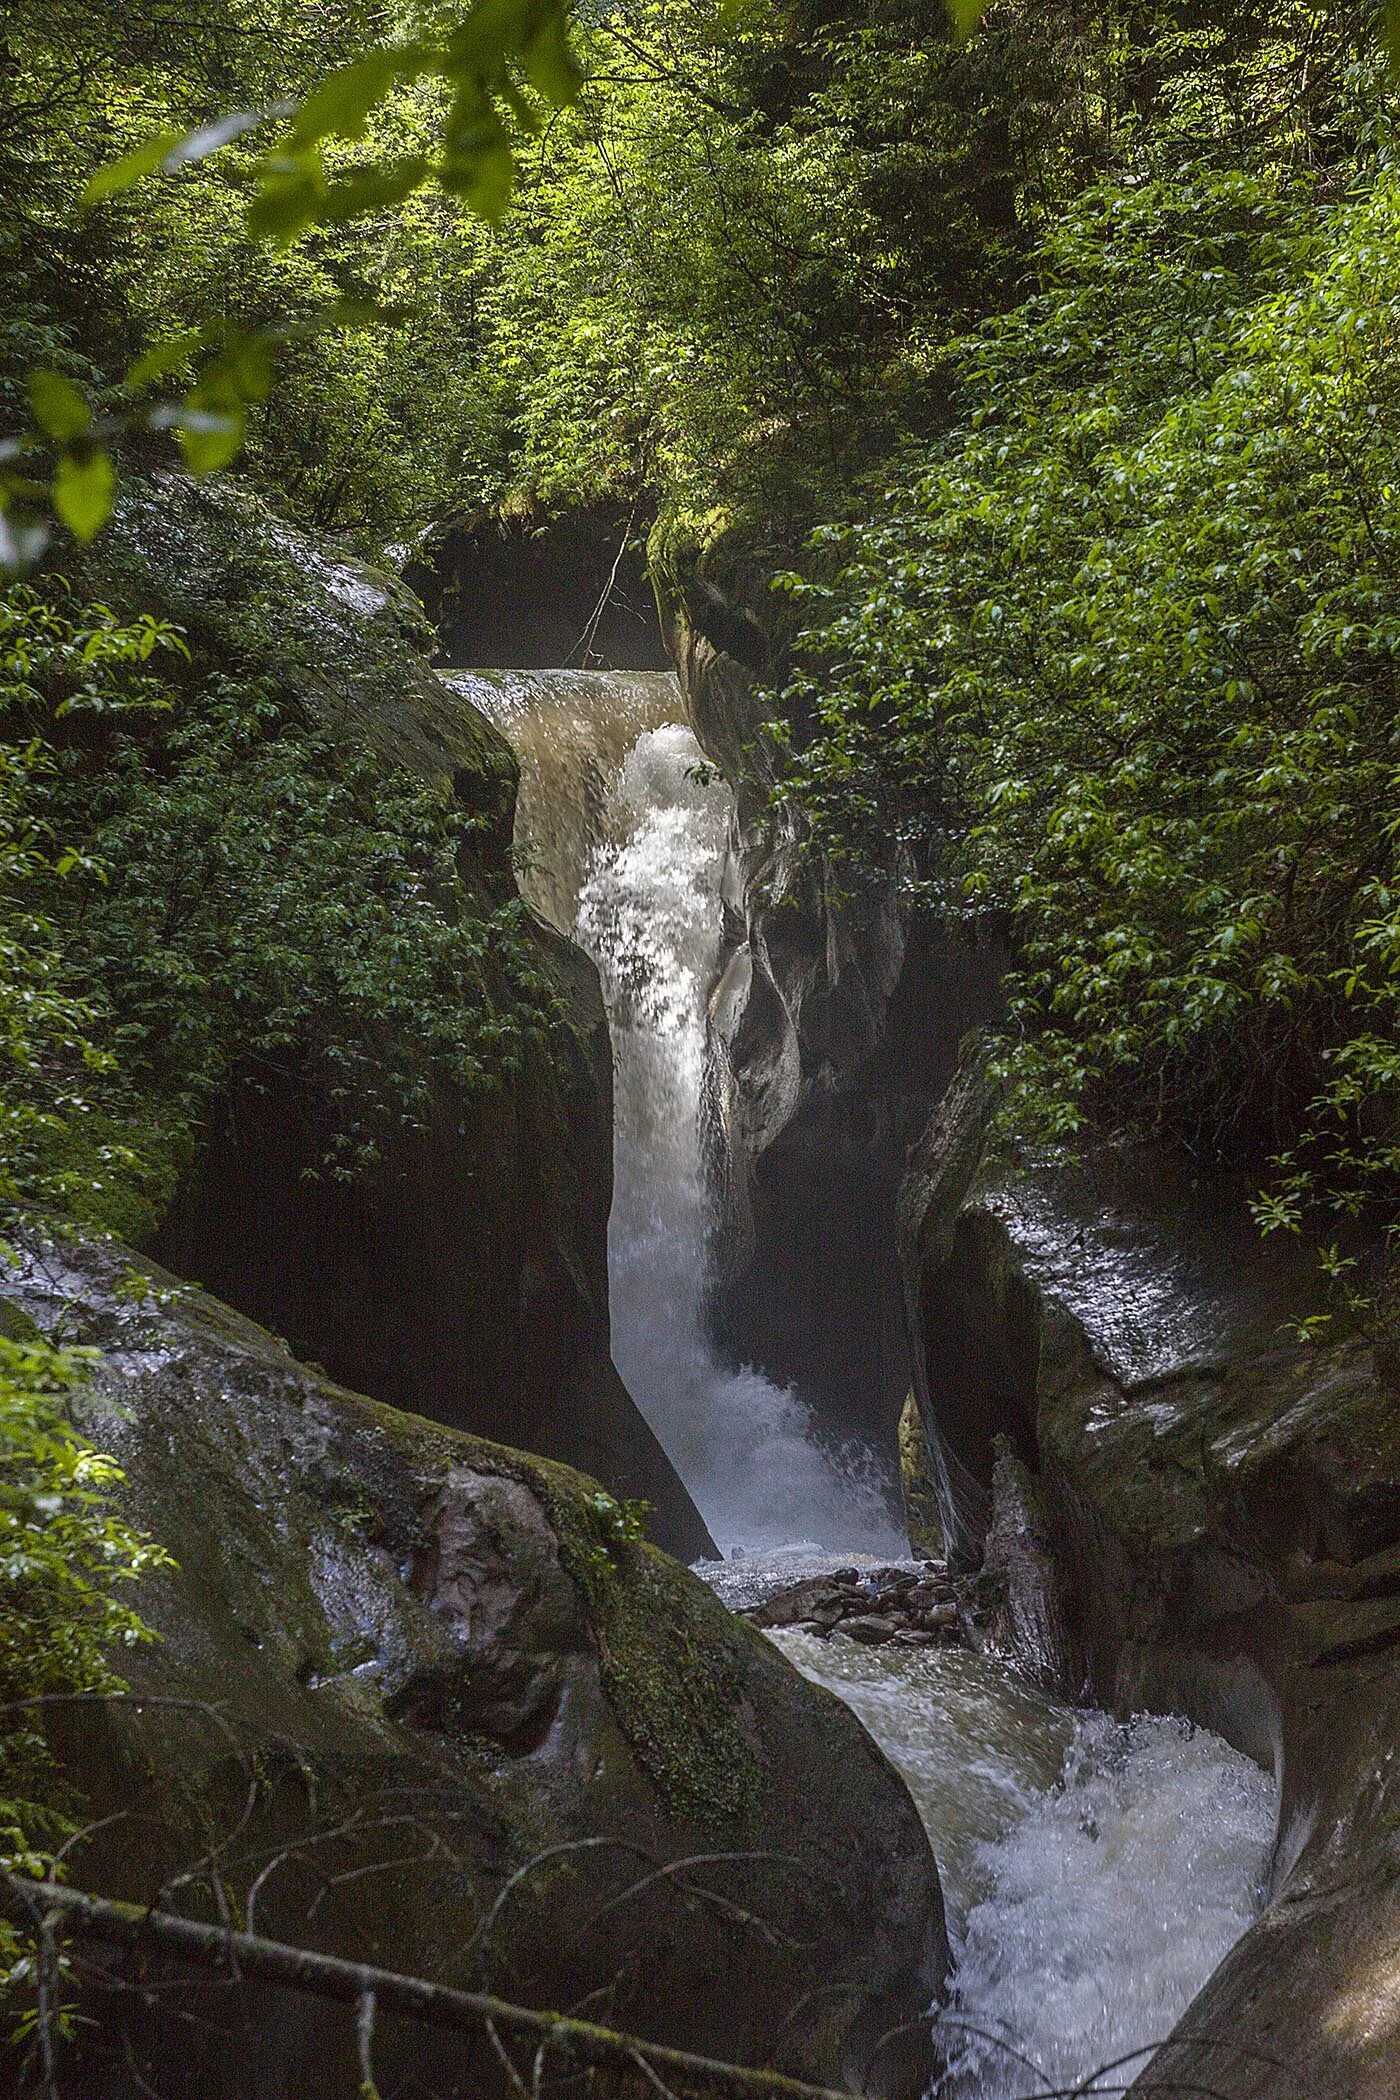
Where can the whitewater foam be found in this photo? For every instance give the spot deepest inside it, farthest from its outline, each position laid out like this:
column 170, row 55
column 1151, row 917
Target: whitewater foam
column 649, row 914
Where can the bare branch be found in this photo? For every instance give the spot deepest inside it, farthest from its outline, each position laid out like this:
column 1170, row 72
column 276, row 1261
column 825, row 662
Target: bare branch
column 326, row 1976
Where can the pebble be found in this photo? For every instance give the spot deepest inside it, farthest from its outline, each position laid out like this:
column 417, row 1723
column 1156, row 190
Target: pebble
column 873, row 1605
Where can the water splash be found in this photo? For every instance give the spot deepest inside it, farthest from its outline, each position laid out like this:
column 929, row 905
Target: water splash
column 1095, row 1873
column 649, row 914
column 974, row 1744
column 1111, row 1901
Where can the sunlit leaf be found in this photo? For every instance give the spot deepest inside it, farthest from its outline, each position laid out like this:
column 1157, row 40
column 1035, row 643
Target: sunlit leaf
column 964, row 16
column 84, row 487
column 58, row 405
column 121, row 174
column 162, row 359
column 210, row 438
column 340, row 106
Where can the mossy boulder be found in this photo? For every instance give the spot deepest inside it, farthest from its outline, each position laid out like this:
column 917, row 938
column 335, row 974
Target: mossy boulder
column 422, row 1700
column 1223, row 1502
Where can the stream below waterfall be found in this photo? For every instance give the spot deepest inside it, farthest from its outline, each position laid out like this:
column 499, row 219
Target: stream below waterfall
column 1095, row 1872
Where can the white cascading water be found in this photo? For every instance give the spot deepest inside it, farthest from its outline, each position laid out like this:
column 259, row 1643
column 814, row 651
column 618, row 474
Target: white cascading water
column 1095, row 1873
column 649, row 914
column 621, row 832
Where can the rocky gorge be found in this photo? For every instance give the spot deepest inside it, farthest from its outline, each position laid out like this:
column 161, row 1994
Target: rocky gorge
column 423, row 1696
column 1157, row 1492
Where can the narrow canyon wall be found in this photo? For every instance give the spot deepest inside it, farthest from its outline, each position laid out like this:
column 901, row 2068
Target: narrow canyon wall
column 1224, row 1505
column 833, row 1030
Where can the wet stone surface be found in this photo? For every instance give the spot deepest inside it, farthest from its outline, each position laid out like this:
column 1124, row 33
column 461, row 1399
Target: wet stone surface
column 919, row 1607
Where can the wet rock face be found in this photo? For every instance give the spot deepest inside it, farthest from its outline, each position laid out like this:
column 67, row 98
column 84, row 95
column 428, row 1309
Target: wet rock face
column 464, row 1275
column 833, row 1029
column 423, row 1701
column 1224, row 1507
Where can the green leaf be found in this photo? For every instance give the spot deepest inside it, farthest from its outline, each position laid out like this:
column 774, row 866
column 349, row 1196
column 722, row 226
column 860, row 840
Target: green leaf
column 485, row 179
column 162, row 359
column 59, row 407
column 340, row 106
column 372, row 189
column 121, row 174
column 1390, row 32
column 550, row 63
column 494, row 32
column 84, row 487
column 210, row 438
column 964, row 16
column 478, row 163
column 249, row 362
column 290, row 198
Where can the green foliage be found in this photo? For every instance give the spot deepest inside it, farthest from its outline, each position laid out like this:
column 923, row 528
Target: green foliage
column 491, row 73
column 721, row 285
column 65, row 1561
column 63, row 1554
column 618, row 1524
column 1116, row 666
column 194, row 883
column 268, row 895
column 58, row 1143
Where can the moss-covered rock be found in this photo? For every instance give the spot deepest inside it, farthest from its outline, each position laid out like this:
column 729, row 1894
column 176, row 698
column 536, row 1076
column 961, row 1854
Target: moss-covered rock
column 422, row 1700
column 262, row 596
column 1224, row 1503
column 922, row 1520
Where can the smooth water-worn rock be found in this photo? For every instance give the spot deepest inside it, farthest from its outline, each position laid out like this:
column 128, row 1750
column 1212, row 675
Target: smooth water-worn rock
column 833, row 1029
column 463, row 1274
column 1224, row 1501
column 425, row 1701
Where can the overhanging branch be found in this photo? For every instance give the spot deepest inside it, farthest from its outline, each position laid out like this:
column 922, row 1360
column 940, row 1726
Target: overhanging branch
column 355, row 1983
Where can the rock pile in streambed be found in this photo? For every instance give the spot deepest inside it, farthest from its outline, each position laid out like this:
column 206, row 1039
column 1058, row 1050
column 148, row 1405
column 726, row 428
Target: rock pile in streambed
column 912, row 1609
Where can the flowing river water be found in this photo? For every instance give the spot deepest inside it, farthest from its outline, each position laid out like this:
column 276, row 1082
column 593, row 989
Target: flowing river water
column 1095, row 1872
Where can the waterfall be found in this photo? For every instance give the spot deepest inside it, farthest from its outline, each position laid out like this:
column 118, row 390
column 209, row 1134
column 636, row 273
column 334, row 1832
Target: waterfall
column 1095, row 1872
column 621, row 831
column 571, row 731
